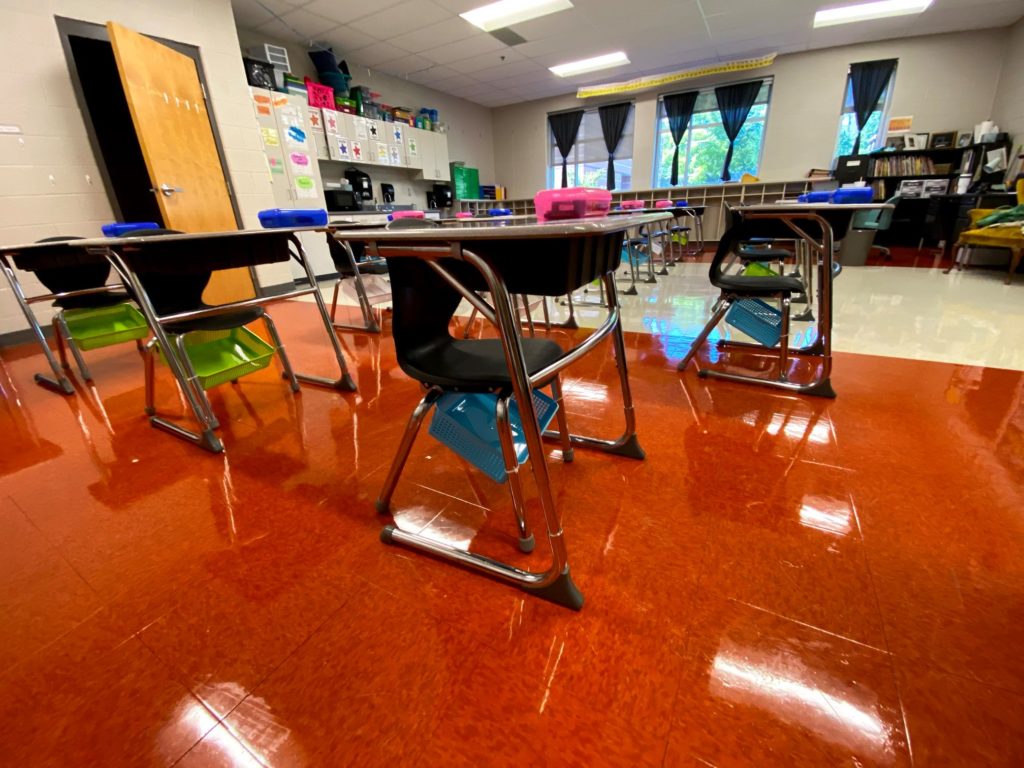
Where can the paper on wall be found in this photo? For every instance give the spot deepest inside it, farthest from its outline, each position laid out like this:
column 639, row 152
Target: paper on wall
column 382, row 152
column 270, row 137
column 305, row 187
column 394, row 156
column 330, row 121
column 357, row 150
column 295, row 136
column 412, row 146
column 314, row 117
column 344, row 148
column 300, row 163
column 361, row 128
column 396, row 132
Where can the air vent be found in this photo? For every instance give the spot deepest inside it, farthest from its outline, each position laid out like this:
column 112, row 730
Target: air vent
column 273, row 54
column 507, row 36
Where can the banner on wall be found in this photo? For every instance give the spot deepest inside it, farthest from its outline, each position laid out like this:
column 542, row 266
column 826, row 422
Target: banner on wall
column 657, row 81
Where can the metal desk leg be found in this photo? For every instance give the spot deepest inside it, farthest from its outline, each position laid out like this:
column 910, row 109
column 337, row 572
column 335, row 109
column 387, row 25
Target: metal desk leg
column 627, row 443
column 554, row 584
column 369, row 321
column 344, row 382
column 59, row 382
column 650, row 256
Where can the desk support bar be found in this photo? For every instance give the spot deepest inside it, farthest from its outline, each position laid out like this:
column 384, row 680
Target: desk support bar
column 59, row 383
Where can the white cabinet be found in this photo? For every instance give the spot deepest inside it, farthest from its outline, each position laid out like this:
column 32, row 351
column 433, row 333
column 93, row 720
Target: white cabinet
column 433, row 155
column 443, row 171
column 413, row 148
column 375, row 142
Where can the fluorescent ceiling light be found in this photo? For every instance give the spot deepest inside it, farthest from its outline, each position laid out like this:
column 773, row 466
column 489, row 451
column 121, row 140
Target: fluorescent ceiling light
column 507, row 12
column 590, row 65
column 881, row 9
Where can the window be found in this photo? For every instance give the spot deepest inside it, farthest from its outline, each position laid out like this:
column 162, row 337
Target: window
column 873, row 136
column 587, row 163
column 703, row 146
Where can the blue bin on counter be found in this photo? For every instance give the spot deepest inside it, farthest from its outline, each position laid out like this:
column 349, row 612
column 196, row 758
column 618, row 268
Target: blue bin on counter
column 465, row 422
column 852, row 195
column 276, row 218
column 499, row 211
column 118, row 229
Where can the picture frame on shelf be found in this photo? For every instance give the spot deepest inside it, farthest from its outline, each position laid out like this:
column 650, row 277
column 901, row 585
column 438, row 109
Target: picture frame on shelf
column 944, row 140
column 964, row 140
column 896, row 143
column 917, row 141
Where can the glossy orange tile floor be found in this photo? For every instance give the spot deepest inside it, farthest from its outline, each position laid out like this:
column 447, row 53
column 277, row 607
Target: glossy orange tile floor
column 784, row 581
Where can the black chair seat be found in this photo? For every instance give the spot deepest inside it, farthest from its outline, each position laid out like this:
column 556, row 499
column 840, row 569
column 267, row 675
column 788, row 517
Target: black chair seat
column 225, row 322
column 93, row 300
column 760, row 240
column 474, row 364
column 375, row 267
column 763, row 254
column 679, row 229
column 758, row 286
column 638, row 241
column 660, row 233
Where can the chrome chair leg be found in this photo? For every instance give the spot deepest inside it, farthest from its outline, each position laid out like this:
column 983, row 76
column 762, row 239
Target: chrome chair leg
column 285, row 363
column 716, row 317
column 192, row 380
column 529, row 315
column 469, row 324
column 149, row 363
column 58, row 337
column 334, row 300
column 784, row 340
column 412, row 428
column 75, row 352
column 563, row 423
column 547, row 315
column 515, row 487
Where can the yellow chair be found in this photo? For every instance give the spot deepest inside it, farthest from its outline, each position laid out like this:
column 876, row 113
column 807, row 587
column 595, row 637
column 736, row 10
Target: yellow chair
column 1001, row 237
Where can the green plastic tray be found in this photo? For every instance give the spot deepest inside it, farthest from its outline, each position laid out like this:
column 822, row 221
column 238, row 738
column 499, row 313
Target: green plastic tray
column 95, row 328
column 220, row 356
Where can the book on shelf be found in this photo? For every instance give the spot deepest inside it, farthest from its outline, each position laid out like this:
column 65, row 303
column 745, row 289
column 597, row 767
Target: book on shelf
column 903, row 165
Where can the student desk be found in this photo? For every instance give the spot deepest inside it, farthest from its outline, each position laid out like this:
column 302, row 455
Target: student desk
column 813, row 225
column 543, row 259
column 173, row 254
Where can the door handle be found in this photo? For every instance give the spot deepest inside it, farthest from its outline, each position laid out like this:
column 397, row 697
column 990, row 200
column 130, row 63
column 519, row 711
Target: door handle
column 167, row 190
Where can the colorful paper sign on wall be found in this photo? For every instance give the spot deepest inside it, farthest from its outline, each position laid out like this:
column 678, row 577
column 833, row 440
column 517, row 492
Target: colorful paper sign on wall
column 394, row 156
column 357, row 150
column 900, row 124
column 262, row 103
column 413, row 147
column 280, row 100
column 382, row 152
column 396, row 131
column 296, row 136
column 305, row 187
column 300, row 163
column 314, row 117
column 361, row 128
column 373, row 129
column 319, row 95
column 276, row 165
column 344, row 150
column 330, row 121
column 270, row 137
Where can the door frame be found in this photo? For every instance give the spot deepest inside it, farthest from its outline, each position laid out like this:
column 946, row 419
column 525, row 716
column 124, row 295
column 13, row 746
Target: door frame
column 67, row 28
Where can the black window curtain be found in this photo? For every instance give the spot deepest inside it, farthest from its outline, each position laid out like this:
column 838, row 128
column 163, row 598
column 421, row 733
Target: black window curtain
column 868, row 80
column 734, row 104
column 679, row 110
column 613, row 123
column 565, row 126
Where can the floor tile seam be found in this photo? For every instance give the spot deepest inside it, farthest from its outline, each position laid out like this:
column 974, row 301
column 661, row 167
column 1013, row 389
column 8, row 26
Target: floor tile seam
column 14, row 667
column 813, row 627
column 902, row 663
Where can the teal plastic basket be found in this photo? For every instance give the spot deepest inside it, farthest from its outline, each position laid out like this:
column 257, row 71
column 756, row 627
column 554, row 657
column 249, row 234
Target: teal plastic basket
column 466, row 424
column 760, row 321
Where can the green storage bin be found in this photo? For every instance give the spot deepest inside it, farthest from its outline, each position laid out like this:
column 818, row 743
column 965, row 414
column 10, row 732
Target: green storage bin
column 95, row 328
column 466, row 182
column 222, row 356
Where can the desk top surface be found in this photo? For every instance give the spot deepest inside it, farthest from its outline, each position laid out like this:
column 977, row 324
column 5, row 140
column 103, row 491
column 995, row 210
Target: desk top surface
column 141, row 240
column 785, row 207
column 502, row 229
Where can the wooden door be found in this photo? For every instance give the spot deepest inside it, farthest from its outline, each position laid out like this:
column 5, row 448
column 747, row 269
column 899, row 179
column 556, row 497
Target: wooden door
column 168, row 108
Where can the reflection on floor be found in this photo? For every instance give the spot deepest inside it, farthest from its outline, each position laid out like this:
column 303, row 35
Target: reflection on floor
column 784, row 581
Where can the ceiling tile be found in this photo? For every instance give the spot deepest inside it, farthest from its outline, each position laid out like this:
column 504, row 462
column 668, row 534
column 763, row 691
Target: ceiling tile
column 401, row 18
column 406, row 65
column 345, row 39
column 377, row 53
column 345, row 11
column 308, row 25
column 464, row 49
column 484, row 61
column 461, row 6
column 250, row 14
column 506, row 69
column 448, row 31
column 455, row 81
column 432, row 75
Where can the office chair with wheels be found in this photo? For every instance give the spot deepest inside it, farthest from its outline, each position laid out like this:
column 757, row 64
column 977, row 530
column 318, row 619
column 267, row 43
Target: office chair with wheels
column 424, row 304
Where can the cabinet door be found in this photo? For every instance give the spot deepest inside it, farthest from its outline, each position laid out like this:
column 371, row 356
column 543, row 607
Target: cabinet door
column 427, row 155
column 413, row 148
column 441, row 157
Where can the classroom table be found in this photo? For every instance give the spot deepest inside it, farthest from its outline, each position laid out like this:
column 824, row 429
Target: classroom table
column 814, row 226
column 549, row 258
column 220, row 250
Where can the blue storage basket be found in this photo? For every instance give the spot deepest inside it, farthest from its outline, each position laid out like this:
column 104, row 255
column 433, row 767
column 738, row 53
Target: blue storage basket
column 119, row 229
column 466, row 424
column 499, row 211
column 274, row 218
column 757, row 319
column 849, row 195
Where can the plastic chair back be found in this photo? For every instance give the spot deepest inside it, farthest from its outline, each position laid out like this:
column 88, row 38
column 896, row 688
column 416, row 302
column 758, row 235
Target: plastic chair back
column 81, row 272
column 171, row 293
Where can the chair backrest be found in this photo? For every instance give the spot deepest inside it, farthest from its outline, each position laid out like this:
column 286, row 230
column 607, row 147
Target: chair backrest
column 78, row 276
column 880, row 219
column 171, row 292
column 422, row 302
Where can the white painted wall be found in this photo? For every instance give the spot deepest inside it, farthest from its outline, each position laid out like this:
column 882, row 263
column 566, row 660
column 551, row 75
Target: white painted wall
column 49, row 182
column 1008, row 111
column 470, row 132
column 947, row 82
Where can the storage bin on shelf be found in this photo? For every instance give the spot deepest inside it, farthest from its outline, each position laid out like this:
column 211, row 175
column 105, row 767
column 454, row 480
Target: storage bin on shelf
column 274, row 218
column 465, row 422
column 221, row 356
column 103, row 326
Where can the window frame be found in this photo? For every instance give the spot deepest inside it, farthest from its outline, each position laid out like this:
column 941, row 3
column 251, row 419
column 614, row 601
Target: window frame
column 574, row 162
column 886, row 111
column 686, row 145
